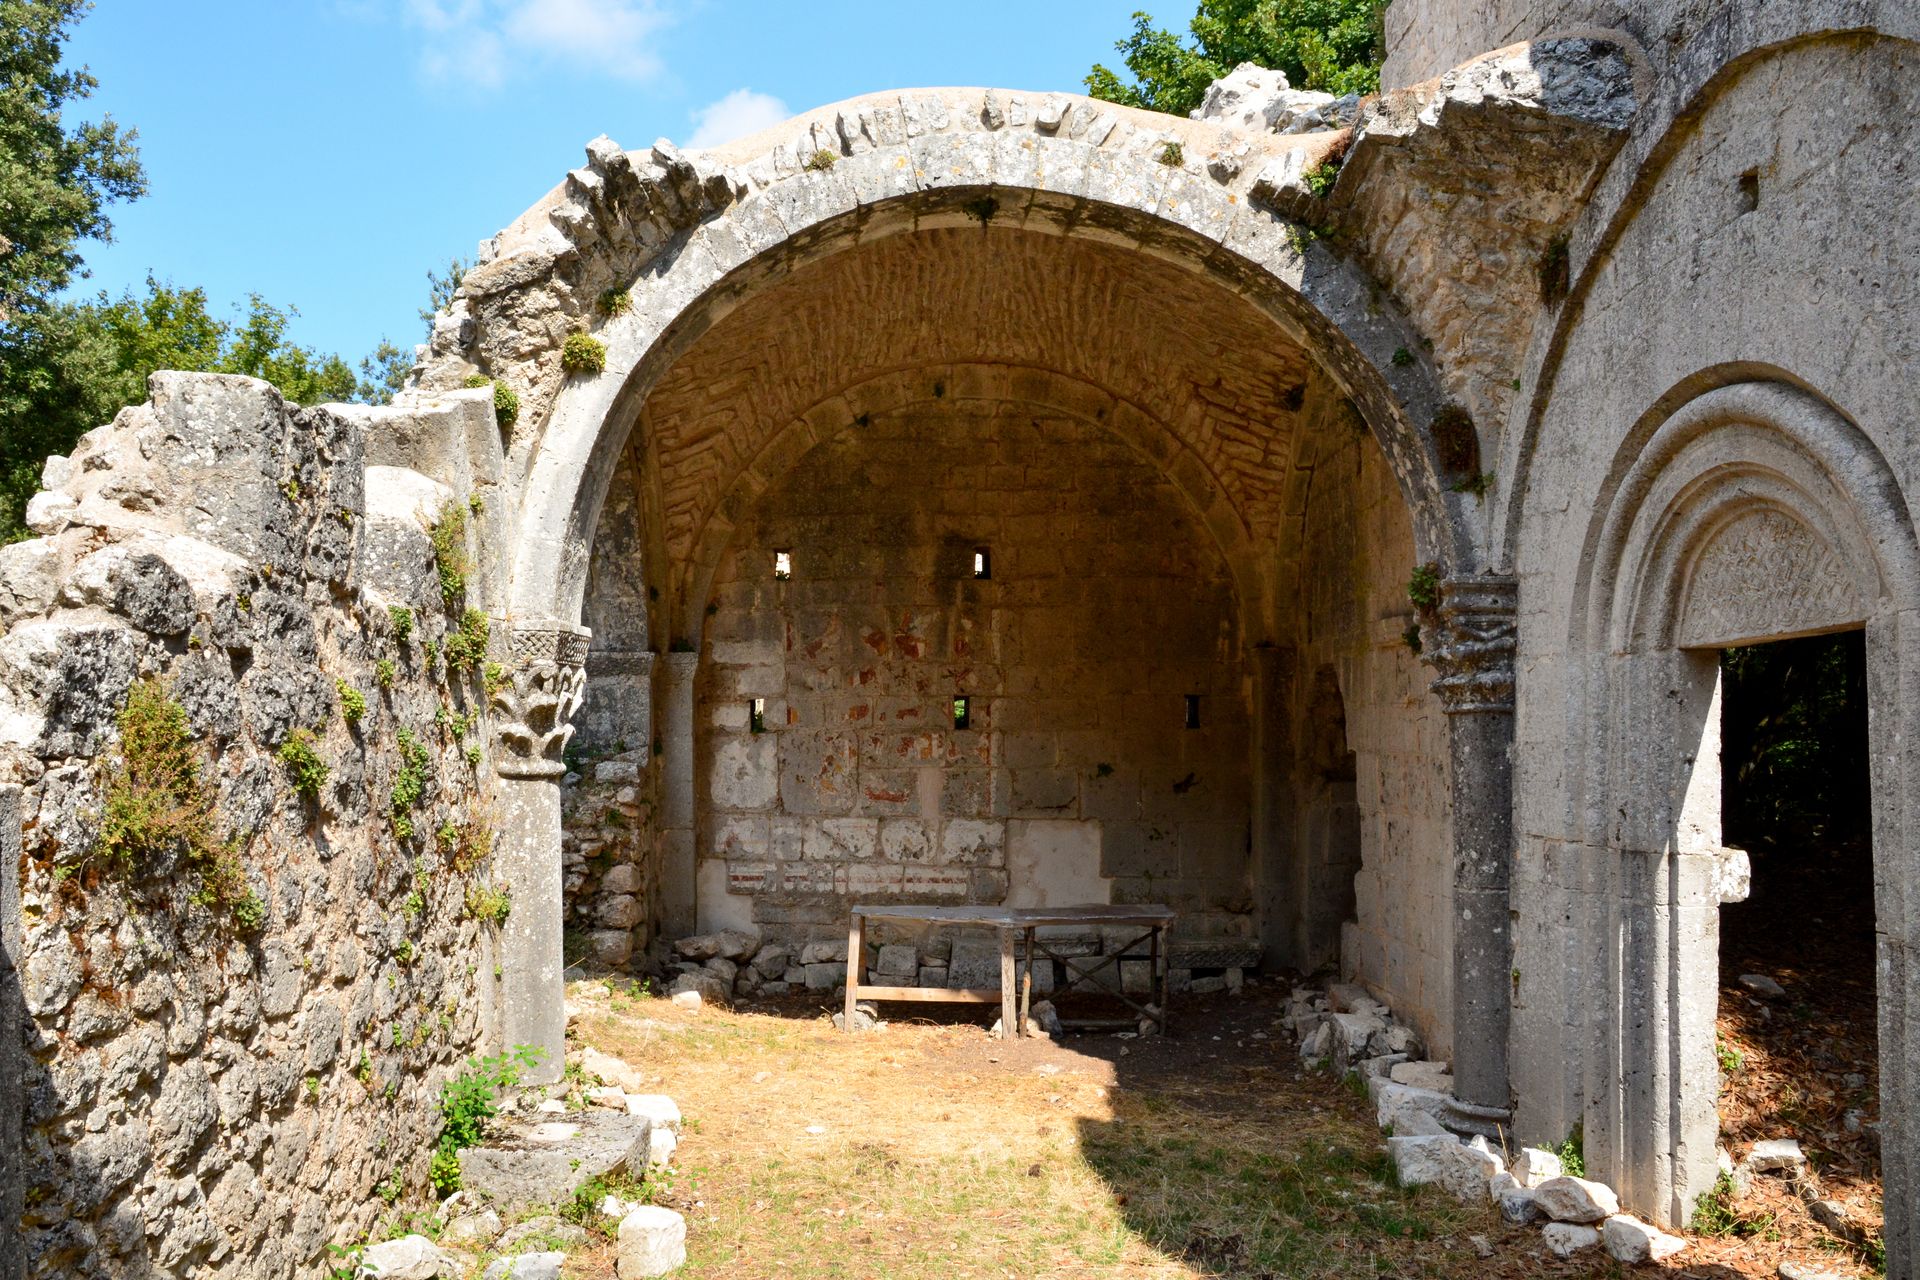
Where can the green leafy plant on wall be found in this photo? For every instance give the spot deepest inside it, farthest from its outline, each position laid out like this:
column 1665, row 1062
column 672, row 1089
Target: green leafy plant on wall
column 506, row 404
column 157, row 806
column 448, row 534
column 583, row 353
column 303, row 762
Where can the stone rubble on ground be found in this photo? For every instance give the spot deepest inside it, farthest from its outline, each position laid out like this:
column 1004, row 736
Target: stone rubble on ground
column 1775, row 1155
column 1570, row 1199
column 526, row 1266
column 1631, row 1241
column 652, row 1242
column 744, row 964
column 410, row 1257
column 1564, row 1239
column 1346, row 1029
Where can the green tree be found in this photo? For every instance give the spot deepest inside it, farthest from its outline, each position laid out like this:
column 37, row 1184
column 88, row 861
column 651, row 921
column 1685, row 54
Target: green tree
column 56, row 180
column 1335, row 46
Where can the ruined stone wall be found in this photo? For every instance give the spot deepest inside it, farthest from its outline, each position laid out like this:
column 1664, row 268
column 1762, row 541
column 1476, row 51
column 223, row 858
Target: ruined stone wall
column 1789, row 228
column 1426, row 38
column 1355, row 556
column 1076, row 780
column 228, row 1071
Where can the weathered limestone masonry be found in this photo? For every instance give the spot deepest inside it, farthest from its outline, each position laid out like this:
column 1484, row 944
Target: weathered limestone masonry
column 1432, row 445
column 217, row 1079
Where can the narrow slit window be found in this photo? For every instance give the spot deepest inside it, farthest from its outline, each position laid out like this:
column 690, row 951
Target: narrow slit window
column 982, row 562
column 757, row 715
column 1749, row 191
column 963, row 713
column 1193, row 711
column 782, row 565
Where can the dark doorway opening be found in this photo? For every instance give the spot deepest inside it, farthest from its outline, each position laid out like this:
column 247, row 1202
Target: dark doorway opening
column 1797, row 1035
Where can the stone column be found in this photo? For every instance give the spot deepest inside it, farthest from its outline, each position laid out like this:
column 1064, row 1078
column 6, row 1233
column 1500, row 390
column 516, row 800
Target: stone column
column 1472, row 648
column 533, row 708
column 13, row 1044
column 678, row 895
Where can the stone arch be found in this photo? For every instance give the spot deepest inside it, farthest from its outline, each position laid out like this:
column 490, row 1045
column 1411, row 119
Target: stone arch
column 1766, row 491
column 1696, row 75
column 1110, row 185
column 901, row 389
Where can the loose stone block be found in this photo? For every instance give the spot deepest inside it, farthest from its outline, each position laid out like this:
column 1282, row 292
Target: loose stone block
column 1568, row 1199
column 1630, row 1240
column 547, row 1163
column 652, row 1242
column 1564, row 1239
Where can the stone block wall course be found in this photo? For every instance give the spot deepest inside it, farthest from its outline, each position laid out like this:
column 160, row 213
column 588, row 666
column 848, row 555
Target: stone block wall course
column 203, row 1094
column 1075, row 779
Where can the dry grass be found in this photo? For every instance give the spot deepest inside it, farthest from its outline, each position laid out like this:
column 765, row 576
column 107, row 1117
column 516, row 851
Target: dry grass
column 933, row 1151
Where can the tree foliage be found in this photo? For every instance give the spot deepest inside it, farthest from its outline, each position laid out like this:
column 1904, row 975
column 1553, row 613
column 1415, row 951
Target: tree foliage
column 1793, row 747
column 1335, row 46
column 56, row 179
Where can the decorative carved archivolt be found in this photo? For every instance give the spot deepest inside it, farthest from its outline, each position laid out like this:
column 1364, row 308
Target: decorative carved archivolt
column 535, row 700
column 1473, row 643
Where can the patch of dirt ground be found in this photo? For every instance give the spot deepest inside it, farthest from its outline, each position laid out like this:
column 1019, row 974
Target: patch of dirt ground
column 928, row 1149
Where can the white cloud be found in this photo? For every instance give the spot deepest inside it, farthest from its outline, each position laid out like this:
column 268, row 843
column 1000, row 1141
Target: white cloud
column 468, row 41
column 737, row 115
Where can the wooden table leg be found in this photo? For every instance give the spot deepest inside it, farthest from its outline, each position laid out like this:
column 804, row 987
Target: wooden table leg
column 855, row 928
column 1009, row 1017
column 1026, row 983
column 1163, row 960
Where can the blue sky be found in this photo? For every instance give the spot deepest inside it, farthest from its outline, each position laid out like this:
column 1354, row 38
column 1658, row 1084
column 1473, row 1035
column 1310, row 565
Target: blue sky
column 326, row 153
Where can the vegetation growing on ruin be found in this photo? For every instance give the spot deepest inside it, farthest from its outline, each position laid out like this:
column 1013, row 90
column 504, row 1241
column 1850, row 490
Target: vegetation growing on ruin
column 1423, row 587
column 467, row 1102
column 157, row 806
column 1335, row 46
column 489, row 904
column 1321, row 177
column 506, row 404
column 583, row 353
column 448, row 535
column 821, row 161
column 1171, row 155
column 353, row 703
column 466, row 648
column 383, row 673
column 614, row 302
column 402, row 619
column 409, row 782
column 308, row 771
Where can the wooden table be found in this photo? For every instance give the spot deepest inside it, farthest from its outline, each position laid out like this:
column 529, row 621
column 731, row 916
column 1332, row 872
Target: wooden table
column 1016, row 984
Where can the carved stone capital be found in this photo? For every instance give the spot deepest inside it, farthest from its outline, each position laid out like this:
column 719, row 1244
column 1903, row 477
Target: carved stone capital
column 535, row 699
column 1473, row 643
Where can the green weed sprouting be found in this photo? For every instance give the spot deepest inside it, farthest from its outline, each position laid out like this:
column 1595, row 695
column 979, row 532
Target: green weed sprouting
column 157, row 805
column 614, row 302
column 402, row 619
column 383, row 673
column 1423, row 588
column 448, row 534
column 820, row 161
column 1321, row 177
column 304, row 763
column 506, row 405
column 488, row 904
column 409, row 784
column 466, row 648
column 353, row 703
column 1171, row 154
column 467, row 1103
column 583, row 353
